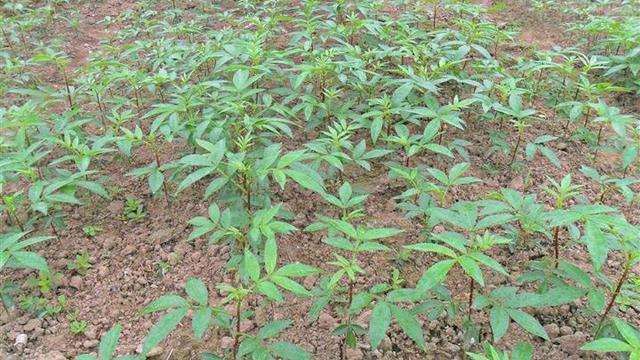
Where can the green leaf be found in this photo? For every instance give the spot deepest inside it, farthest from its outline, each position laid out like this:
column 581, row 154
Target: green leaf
column 296, row 270
column 381, row 233
column 305, row 179
column 499, row 320
column 490, row 263
column 434, row 248
column 289, row 351
column 522, row 351
column 109, row 342
column 528, row 322
column 551, row 155
column 288, row 284
column 251, row 265
column 30, row 260
column 379, row 323
column 339, row 243
column 607, row 345
column 596, row 299
column 436, row 274
column 628, row 333
column 401, row 93
column 193, row 177
column 86, row 357
column 270, row 254
column 596, row 244
column 471, row 268
column 200, row 322
column 197, row 291
column 268, row 289
column 240, row 79
column 360, row 301
column 165, row 302
column 273, row 328
column 409, row 325
column 376, row 128
column 163, row 328
column 155, row 181
column 64, row 198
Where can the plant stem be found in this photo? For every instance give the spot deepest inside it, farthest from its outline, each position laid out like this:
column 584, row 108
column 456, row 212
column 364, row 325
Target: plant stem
column 53, row 228
column 236, row 336
column 343, row 350
column 435, row 14
column 595, row 156
column 615, row 294
column 17, row 220
column 66, row 85
column 164, row 183
column 247, row 188
column 471, row 290
column 556, row 244
column 515, row 149
column 586, row 118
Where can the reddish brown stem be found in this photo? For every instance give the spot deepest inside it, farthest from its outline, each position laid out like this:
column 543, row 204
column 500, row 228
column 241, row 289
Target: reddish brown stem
column 471, row 290
column 236, row 337
column 515, row 149
column 66, row 85
column 615, row 294
column 556, row 245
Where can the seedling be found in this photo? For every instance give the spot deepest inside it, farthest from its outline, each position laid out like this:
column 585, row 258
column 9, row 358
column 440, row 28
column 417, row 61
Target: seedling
column 81, row 264
column 91, row 231
column 133, row 210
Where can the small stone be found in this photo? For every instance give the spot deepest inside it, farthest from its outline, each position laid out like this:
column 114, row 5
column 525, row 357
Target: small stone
column 21, row 341
column 552, row 329
column 115, row 207
column 326, row 321
column 386, row 344
column 438, row 229
column 517, row 183
column 75, row 282
column 173, row 259
column 562, row 146
column 246, row 325
column 566, row 330
column 52, row 355
column 128, row 250
column 571, row 343
column 102, row 270
column 182, row 248
column 309, row 282
column 452, row 348
column 155, row 352
column 261, row 315
column 37, row 333
column 354, row 354
column 91, row 333
column 161, row 236
column 90, row 344
column 23, row 319
column 108, row 242
column 226, row 343
column 32, row 325
column 390, row 205
column 196, row 255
